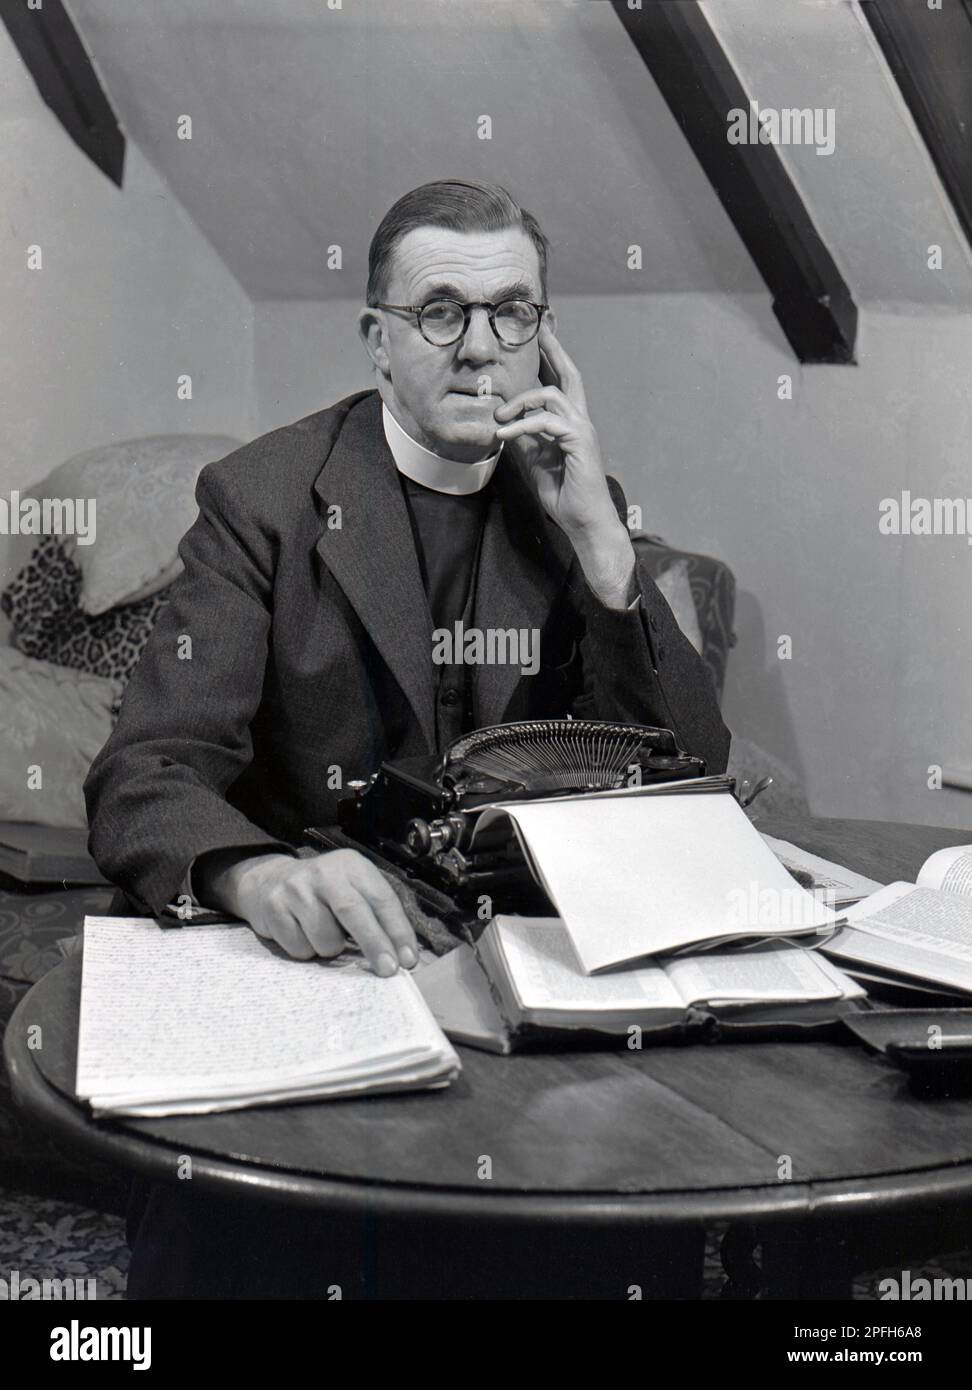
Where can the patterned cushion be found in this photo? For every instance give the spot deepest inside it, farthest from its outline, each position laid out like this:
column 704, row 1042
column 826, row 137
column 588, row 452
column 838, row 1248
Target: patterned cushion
column 53, row 721
column 145, row 495
column 785, row 796
column 714, row 592
column 43, row 605
column 676, row 589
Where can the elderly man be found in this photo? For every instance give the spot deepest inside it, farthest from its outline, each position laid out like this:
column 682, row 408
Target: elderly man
column 301, row 637
column 326, row 555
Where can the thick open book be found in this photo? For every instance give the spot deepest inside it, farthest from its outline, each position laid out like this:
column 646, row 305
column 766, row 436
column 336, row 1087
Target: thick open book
column 524, row 980
column 914, row 934
column 652, row 870
column 194, row 1019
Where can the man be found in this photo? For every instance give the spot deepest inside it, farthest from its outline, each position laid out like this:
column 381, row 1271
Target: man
column 304, row 636
column 328, row 554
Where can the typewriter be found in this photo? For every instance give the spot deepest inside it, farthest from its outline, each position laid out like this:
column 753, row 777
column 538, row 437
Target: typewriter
column 420, row 813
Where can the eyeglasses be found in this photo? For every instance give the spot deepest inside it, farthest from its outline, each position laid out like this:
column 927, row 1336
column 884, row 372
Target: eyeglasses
column 445, row 321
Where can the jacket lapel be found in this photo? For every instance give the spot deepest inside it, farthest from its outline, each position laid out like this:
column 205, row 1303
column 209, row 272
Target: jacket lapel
column 372, row 555
column 523, row 566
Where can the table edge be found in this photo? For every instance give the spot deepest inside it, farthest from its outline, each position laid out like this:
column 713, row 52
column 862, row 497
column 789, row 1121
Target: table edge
column 892, row 1194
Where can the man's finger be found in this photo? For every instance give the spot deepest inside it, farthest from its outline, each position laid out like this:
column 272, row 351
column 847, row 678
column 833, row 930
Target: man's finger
column 389, row 911
column 565, row 368
column 356, row 917
column 543, row 422
column 286, row 931
column 547, row 375
column 322, row 929
column 533, row 398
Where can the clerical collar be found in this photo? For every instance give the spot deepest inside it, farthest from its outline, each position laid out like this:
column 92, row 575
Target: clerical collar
column 432, row 470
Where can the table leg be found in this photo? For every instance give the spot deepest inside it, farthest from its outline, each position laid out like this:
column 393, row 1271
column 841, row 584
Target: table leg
column 794, row 1262
column 805, row 1264
column 744, row 1278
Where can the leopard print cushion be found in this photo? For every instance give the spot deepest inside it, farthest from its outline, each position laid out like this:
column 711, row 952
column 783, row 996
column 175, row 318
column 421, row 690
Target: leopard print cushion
column 43, row 605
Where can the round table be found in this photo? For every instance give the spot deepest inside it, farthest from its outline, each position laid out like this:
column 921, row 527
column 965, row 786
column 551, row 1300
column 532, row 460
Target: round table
column 818, row 1151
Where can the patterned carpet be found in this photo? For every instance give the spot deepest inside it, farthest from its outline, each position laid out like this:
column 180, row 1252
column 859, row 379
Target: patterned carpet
column 46, row 1238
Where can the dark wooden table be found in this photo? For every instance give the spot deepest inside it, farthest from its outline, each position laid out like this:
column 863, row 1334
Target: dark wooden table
column 610, row 1142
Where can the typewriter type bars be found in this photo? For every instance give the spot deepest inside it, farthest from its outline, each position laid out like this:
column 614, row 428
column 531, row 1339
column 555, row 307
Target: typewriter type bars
column 557, row 755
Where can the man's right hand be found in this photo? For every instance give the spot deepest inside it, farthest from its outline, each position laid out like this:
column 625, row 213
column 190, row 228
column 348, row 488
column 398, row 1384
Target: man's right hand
column 311, row 907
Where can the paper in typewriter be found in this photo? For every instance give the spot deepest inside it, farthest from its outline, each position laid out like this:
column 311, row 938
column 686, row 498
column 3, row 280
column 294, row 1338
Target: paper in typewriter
column 637, row 875
column 208, row 1018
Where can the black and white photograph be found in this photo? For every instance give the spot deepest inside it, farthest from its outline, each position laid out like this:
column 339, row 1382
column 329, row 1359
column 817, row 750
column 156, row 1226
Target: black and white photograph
column 485, row 749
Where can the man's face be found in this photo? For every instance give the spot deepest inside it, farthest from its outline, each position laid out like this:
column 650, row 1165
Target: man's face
column 434, row 392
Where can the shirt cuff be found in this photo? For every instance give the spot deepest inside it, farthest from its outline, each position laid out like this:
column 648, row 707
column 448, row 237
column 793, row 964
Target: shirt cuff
column 186, row 907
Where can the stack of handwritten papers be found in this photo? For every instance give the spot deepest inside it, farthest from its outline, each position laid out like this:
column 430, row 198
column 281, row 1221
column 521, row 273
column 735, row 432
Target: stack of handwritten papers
column 201, row 1018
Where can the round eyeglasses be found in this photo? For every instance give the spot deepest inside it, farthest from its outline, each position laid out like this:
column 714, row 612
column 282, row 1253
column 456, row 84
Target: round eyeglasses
column 444, row 321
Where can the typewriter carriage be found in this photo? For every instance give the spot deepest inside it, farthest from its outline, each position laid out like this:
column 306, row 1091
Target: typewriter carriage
column 421, row 812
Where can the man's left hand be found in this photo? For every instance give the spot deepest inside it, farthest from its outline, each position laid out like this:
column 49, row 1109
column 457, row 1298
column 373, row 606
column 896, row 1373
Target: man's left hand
column 560, row 452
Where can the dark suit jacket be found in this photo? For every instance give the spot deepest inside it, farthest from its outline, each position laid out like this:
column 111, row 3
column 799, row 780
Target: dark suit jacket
column 289, row 646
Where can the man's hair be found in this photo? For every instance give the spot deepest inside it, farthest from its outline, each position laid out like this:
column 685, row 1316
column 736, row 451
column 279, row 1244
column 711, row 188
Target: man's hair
column 461, row 206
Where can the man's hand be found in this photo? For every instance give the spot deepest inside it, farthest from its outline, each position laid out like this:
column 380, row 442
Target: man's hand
column 558, row 446
column 311, row 907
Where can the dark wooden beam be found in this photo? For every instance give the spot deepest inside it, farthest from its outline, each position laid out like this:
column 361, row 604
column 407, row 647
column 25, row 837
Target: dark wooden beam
column 811, row 299
column 62, row 71
column 930, row 54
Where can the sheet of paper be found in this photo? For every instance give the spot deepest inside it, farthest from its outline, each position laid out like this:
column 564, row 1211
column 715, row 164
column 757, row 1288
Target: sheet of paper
column 949, row 869
column 547, row 973
column 210, row 1010
column 844, row 884
column 635, row 876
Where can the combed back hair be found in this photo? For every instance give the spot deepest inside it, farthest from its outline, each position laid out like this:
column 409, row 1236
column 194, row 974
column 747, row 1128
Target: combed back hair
column 461, row 206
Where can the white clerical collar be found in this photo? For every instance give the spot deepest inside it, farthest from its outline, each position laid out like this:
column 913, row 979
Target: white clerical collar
column 432, row 470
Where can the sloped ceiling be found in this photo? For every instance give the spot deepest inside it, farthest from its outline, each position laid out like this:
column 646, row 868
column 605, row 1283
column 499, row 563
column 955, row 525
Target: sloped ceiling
column 877, row 201
column 309, row 121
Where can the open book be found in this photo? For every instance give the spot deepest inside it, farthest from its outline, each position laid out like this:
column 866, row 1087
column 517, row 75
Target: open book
column 914, row 934
column 194, row 1019
column 538, row 986
column 651, row 870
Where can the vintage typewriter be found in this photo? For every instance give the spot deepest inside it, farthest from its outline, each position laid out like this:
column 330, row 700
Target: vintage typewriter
column 420, row 813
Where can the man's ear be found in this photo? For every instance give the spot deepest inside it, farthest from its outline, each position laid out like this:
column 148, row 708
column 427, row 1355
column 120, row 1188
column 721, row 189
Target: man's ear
column 551, row 318
column 371, row 327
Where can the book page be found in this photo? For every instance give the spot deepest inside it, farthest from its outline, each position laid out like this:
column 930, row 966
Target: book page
column 912, row 931
column 212, row 1010
column 836, row 882
column 773, row 972
column 547, row 974
column 949, row 869
column 641, row 875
